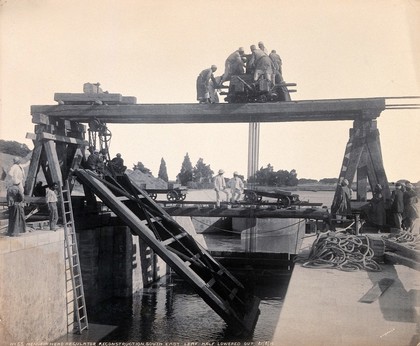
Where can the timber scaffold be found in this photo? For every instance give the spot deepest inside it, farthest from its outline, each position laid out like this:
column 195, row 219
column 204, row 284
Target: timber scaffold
column 60, row 146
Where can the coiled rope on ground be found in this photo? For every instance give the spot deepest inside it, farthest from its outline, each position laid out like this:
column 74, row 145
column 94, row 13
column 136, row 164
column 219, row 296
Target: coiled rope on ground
column 341, row 251
column 408, row 239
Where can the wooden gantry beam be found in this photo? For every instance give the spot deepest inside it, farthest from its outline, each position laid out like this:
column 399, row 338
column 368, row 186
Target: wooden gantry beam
column 59, row 127
column 315, row 110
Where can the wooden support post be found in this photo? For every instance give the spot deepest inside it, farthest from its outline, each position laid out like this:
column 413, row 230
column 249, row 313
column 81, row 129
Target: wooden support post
column 53, row 163
column 374, row 149
column 253, row 148
column 362, row 177
column 33, row 169
column 363, row 155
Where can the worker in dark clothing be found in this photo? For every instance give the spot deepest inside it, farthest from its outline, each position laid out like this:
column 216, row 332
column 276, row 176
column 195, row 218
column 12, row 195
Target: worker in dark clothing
column 234, row 65
column 17, row 223
column 117, row 164
column 39, row 189
column 342, row 205
column 203, row 81
column 95, row 162
column 410, row 207
column 376, row 211
column 262, row 64
column 397, row 207
column 277, row 63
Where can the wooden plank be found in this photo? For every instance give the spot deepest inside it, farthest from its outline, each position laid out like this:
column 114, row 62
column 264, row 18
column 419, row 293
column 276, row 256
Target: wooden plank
column 33, row 169
column 376, row 291
column 129, row 100
column 362, row 175
column 395, row 258
column 310, row 213
column 57, row 138
column 28, row 199
column 374, row 149
column 74, row 98
column 53, row 163
column 319, row 110
column 403, row 250
column 39, row 118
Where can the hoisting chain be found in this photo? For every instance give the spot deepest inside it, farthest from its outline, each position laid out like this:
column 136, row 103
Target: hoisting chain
column 341, row 251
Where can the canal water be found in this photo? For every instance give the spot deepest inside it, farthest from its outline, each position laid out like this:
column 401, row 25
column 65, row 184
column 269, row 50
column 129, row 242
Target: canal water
column 171, row 311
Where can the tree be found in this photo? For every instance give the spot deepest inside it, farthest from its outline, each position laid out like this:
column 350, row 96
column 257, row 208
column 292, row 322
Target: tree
column 302, row 181
column 163, row 173
column 140, row 167
column 329, row 181
column 186, row 173
column 14, row 148
column 202, row 171
column 268, row 177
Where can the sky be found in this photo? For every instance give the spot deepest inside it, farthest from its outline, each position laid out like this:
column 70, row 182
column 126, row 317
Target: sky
column 154, row 50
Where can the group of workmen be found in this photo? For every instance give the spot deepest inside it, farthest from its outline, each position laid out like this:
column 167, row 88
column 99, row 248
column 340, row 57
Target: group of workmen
column 399, row 213
column 15, row 199
column 232, row 189
column 98, row 160
column 260, row 63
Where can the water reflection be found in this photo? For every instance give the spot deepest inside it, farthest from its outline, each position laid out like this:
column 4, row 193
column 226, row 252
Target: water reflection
column 172, row 311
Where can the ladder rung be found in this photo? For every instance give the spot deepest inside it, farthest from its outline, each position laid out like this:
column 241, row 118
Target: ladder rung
column 173, row 239
column 233, row 293
column 211, row 282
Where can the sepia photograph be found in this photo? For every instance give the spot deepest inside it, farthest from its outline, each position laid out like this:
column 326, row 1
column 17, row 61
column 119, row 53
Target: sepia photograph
column 209, row 173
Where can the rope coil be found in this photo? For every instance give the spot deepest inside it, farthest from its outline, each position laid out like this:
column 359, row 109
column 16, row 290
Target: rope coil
column 341, row 251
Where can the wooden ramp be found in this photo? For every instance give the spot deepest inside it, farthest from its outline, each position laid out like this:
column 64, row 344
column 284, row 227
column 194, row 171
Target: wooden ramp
column 217, row 286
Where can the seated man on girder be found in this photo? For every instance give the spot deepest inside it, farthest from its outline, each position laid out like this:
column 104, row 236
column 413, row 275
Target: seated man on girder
column 117, row 164
column 94, row 162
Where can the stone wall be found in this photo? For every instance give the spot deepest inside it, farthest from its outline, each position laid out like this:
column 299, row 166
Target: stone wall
column 32, row 287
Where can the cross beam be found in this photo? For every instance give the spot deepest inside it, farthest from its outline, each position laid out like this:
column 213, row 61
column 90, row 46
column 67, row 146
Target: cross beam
column 290, row 111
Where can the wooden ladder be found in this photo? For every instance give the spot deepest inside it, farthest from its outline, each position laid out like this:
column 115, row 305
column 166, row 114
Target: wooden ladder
column 77, row 319
column 216, row 285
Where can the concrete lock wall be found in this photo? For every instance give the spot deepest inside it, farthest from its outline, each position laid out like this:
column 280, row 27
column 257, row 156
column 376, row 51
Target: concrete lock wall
column 32, row 287
column 270, row 235
column 33, row 306
column 109, row 258
column 111, row 263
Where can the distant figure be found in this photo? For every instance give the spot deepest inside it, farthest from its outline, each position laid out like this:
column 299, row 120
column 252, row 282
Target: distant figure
column 40, row 190
column 17, row 172
column 234, row 65
column 94, row 162
column 277, row 63
column 214, row 97
column 376, row 212
column 342, row 206
column 52, row 206
column 203, row 80
column 262, row 64
column 17, row 223
column 262, row 47
column 117, row 164
column 397, row 206
column 220, row 186
column 237, row 187
column 410, row 213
